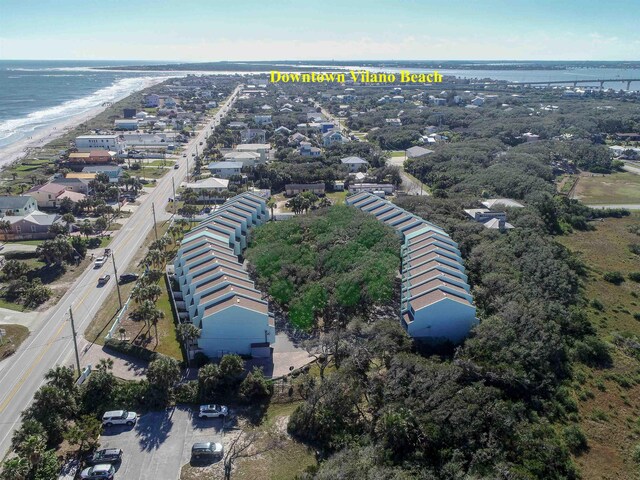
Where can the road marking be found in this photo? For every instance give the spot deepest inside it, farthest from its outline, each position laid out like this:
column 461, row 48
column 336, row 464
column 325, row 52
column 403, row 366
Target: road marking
column 28, row 372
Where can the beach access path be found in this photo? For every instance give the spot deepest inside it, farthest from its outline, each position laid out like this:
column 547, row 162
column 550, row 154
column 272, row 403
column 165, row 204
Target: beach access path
column 51, row 343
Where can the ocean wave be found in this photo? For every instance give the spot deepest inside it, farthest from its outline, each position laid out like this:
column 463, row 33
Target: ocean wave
column 20, row 127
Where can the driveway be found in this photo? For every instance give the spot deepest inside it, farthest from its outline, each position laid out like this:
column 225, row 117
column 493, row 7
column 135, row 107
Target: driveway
column 160, row 443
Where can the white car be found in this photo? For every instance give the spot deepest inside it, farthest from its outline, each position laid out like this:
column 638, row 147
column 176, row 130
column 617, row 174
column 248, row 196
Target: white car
column 119, row 417
column 102, row 471
column 213, row 411
column 100, row 261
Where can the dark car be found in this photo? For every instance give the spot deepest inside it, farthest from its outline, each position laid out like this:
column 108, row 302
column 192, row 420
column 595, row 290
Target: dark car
column 128, row 277
column 207, row 450
column 106, row 455
column 176, row 166
column 103, row 280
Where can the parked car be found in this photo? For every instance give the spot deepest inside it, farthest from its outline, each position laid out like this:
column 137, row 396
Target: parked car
column 176, row 166
column 106, row 455
column 128, row 277
column 207, row 450
column 119, row 417
column 213, row 411
column 102, row 471
column 100, row 261
column 103, row 279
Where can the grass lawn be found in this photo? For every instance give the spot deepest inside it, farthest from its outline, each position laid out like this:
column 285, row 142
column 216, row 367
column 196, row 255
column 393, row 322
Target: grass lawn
column 278, row 464
column 159, row 163
column 337, row 197
column 10, row 305
column 397, row 153
column 15, row 335
column 609, row 398
column 29, row 242
column 623, row 188
column 105, row 241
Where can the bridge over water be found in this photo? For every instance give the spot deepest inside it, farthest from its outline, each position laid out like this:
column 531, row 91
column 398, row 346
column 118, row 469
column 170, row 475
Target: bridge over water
column 575, row 83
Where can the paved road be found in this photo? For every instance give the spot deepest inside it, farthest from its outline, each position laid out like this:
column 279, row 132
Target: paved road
column 160, row 443
column 409, row 184
column 51, row 343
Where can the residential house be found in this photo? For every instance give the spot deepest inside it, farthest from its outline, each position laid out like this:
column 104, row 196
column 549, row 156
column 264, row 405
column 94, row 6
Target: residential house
column 126, row 124
column 226, row 169
column 92, row 157
column 247, row 159
column 333, row 137
column 293, row 189
column 33, row 226
column 415, row 152
column 282, row 130
column 262, row 149
column 77, row 185
column 297, row 138
column 113, row 143
column 380, row 189
column 253, row 135
column 490, row 219
column 237, row 125
column 114, row 172
column 47, row 195
column 17, row 205
column 262, row 119
column 306, row 150
column 491, row 203
column 355, row 164
column 530, row 137
column 205, row 187
column 152, row 100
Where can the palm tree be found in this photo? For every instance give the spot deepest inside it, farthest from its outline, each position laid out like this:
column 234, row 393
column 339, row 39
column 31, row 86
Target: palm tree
column 188, row 332
column 155, row 316
column 139, row 293
column 16, row 468
column 271, row 203
column 32, row 448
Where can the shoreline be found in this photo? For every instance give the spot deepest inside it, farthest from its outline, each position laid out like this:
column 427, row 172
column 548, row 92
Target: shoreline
column 18, row 150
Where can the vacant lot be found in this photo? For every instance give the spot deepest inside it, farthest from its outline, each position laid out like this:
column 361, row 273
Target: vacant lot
column 609, row 398
column 14, row 336
column 597, row 189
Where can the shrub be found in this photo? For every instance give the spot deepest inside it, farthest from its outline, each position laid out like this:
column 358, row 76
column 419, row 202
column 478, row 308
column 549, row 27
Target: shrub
column 593, row 351
column 613, row 277
column 637, row 316
column 187, row 392
column 635, row 248
column 575, row 439
column 634, row 276
column 255, row 386
column 597, row 304
column 127, row 348
column 636, row 453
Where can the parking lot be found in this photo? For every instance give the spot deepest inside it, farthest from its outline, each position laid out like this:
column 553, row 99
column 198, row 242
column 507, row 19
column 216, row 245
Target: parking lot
column 160, row 443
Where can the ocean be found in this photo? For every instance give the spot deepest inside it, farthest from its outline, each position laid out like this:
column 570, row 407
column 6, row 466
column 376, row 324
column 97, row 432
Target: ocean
column 37, row 94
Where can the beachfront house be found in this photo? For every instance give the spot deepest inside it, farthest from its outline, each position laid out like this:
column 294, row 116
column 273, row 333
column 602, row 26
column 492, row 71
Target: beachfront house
column 114, row 172
column 112, row 143
column 47, row 195
column 17, row 205
column 34, row 226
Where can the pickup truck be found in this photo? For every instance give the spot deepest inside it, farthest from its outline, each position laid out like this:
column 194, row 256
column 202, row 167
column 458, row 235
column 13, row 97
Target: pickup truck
column 100, row 261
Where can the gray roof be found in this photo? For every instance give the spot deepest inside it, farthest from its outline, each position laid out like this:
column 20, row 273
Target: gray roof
column 417, row 151
column 224, row 165
column 354, row 160
column 102, row 168
column 14, row 201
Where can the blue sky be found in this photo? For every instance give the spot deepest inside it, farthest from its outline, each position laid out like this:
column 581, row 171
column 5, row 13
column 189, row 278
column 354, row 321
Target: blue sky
column 210, row 30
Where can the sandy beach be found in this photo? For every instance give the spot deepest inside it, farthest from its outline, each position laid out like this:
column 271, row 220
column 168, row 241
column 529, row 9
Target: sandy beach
column 17, row 150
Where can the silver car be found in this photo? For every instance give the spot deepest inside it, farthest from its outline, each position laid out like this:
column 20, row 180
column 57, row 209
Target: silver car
column 213, row 411
column 102, row 471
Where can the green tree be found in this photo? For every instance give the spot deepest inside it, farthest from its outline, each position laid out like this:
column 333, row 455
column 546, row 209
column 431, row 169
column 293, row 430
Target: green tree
column 84, row 432
column 5, row 228
column 208, row 380
column 16, row 468
column 14, row 269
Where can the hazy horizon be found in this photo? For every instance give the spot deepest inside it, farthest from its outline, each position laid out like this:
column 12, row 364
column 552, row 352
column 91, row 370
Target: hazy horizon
column 204, row 31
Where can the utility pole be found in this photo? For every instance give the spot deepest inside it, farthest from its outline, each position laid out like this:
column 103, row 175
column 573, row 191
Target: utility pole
column 75, row 341
column 115, row 272
column 187, row 168
column 155, row 227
